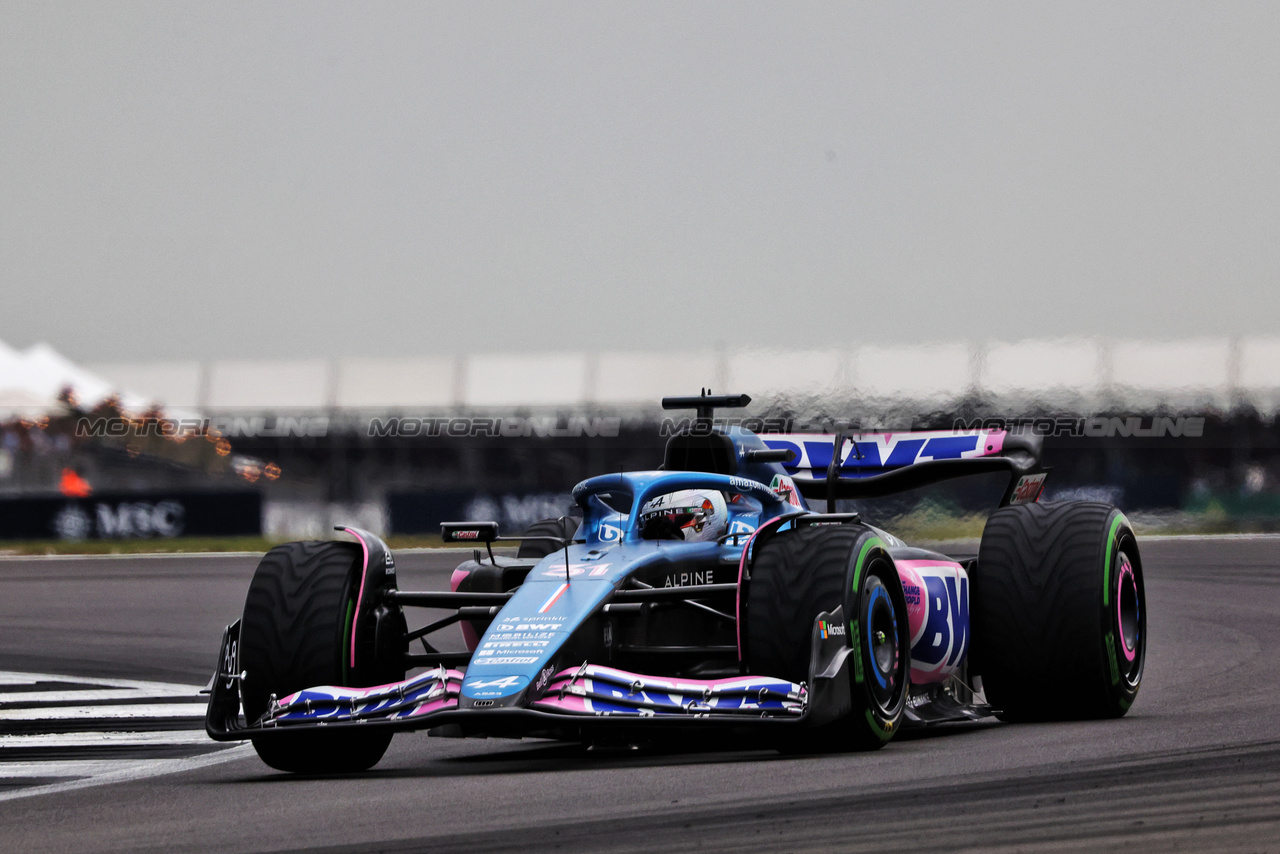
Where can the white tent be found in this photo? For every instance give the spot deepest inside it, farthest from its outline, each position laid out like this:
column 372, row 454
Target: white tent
column 31, row 380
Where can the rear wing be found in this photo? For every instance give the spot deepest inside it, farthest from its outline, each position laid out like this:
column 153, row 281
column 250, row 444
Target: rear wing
column 872, row 465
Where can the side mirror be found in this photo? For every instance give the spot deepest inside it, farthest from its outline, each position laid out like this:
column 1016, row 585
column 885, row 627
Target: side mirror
column 469, row 532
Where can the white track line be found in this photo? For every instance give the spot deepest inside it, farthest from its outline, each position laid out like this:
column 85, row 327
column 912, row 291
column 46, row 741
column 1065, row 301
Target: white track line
column 151, row 689
column 134, row 771
column 86, row 696
column 123, row 726
column 176, row 737
column 62, row 768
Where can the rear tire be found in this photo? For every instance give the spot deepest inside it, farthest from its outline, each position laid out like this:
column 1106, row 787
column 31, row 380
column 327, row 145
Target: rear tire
column 293, row 635
column 797, row 575
column 1059, row 612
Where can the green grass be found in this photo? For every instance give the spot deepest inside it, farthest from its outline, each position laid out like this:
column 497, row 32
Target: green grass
column 929, row 525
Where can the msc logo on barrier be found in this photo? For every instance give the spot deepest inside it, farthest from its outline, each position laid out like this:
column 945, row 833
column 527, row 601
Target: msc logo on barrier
column 126, row 519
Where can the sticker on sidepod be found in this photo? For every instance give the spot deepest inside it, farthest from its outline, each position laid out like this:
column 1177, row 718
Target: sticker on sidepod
column 937, row 594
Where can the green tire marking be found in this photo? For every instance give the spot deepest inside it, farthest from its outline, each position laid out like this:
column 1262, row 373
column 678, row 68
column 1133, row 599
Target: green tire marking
column 854, row 632
column 872, row 542
column 1106, row 567
column 884, row 733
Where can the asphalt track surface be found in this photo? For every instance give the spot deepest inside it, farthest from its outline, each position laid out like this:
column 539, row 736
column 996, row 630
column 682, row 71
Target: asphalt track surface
column 1195, row 766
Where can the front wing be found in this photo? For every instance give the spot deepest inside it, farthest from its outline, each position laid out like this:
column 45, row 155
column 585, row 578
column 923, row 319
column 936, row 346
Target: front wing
column 569, row 703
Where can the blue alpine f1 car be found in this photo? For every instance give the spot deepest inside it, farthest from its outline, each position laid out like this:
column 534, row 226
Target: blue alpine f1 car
column 704, row 594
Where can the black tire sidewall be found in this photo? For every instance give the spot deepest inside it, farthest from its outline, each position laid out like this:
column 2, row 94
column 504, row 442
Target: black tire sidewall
column 1122, row 685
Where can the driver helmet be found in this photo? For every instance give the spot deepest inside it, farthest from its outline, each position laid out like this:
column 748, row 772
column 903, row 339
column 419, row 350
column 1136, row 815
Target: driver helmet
column 700, row 514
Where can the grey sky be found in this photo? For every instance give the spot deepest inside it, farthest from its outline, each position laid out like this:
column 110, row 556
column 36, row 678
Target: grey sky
column 248, row 180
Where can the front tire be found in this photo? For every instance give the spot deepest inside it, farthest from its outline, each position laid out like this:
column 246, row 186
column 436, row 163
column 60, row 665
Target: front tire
column 294, row 635
column 1059, row 612
column 799, row 574
column 538, row 549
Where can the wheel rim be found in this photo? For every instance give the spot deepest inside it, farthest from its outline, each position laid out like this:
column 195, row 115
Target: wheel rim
column 883, row 652
column 1128, row 610
column 1130, row 619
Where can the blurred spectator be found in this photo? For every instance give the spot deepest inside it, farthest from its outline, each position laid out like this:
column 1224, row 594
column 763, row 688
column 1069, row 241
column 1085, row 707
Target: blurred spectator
column 73, row 485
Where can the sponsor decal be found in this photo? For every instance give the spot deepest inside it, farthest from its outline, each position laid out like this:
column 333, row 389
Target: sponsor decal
column 72, row 523
column 503, row 682
column 483, row 662
column 882, row 450
column 738, row 526
column 937, row 594
column 828, row 629
column 608, row 533
column 575, row 569
column 785, row 488
column 687, row 579
column 497, row 687
column 126, row 519
column 466, row 535
column 547, row 624
column 513, row 644
column 544, row 624
column 544, row 677
column 229, row 662
column 1028, row 489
